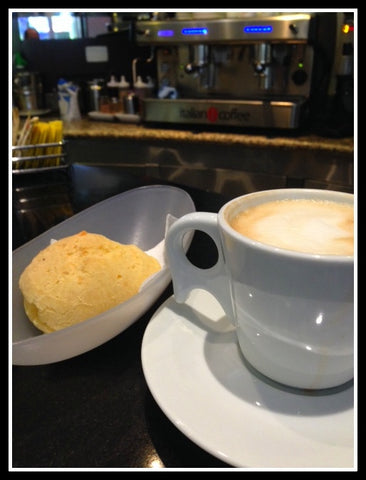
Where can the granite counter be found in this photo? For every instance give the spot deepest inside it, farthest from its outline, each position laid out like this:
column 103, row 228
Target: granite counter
column 89, row 129
column 224, row 162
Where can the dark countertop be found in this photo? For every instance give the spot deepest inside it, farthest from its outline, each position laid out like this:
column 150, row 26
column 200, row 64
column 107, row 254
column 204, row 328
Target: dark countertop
column 95, row 410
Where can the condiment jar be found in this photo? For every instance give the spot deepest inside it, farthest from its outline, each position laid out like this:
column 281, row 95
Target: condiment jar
column 94, row 91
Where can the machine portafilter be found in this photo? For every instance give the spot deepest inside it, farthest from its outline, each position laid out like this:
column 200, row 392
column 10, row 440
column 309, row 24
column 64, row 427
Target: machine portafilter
column 198, row 58
column 262, row 64
column 201, row 64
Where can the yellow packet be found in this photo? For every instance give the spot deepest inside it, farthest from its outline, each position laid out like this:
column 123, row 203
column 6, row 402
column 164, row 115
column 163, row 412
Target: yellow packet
column 57, row 127
column 32, row 139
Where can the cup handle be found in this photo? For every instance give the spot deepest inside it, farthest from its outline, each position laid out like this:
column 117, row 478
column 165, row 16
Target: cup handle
column 185, row 275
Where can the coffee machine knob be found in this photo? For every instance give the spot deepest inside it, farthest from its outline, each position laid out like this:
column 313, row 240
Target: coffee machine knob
column 294, row 28
column 190, row 68
column 299, row 77
column 144, row 33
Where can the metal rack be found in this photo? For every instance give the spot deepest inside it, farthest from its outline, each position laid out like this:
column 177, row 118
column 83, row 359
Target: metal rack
column 23, row 163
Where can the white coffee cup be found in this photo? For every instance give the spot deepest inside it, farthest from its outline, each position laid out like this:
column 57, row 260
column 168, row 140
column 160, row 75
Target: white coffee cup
column 293, row 311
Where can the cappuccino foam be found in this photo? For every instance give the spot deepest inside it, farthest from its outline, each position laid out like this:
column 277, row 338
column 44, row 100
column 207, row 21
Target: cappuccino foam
column 304, row 225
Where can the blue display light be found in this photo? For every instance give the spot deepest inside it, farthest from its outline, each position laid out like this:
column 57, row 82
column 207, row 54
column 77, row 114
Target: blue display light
column 195, row 31
column 258, row 29
column 165, row 33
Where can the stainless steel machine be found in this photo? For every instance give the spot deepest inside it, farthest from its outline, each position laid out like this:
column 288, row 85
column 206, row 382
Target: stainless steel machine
column 258, row 71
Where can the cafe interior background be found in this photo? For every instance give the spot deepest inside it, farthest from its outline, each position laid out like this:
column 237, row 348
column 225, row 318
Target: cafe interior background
column 294, row 94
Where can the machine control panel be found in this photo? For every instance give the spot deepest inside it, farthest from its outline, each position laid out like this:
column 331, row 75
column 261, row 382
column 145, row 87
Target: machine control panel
column 280, row 28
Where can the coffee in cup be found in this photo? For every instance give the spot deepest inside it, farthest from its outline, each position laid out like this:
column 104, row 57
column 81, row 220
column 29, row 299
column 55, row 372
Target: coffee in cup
column 290, row 299
column 304, row 225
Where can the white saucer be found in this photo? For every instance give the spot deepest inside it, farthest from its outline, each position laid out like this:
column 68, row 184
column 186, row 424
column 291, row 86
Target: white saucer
column 104, row 117
column 32, row 113
column 197, row 375
column 128, row 117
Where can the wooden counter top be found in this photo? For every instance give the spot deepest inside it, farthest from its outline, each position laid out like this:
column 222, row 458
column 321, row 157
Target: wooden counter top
column 112, row 130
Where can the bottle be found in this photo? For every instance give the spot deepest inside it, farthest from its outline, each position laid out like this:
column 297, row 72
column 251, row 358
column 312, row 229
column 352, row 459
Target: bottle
column 123, row 90
column 143, row 90
column 115, row 104
column 112, row 82
column 74, row 111
column 68, row 100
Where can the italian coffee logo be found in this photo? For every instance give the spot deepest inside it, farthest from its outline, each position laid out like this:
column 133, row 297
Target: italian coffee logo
column 212, row 114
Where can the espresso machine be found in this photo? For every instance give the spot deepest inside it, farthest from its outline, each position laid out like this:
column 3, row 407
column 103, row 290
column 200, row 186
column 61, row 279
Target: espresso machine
column 254, row 72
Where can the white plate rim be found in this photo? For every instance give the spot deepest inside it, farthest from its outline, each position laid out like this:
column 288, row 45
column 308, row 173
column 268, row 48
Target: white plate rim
column 36, row 112
column 101, row 116
column 172, row 332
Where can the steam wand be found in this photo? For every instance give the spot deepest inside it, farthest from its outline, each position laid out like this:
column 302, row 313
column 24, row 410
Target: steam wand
column 135, row 60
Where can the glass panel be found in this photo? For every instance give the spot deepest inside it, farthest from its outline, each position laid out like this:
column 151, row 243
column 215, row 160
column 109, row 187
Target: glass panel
column 51, row 26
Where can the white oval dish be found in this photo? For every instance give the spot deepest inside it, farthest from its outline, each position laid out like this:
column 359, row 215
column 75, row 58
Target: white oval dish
column 136, row 216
